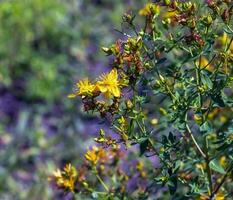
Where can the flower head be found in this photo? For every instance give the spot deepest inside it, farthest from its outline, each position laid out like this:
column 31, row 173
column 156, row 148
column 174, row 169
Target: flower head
column 109, row 84
column 92, row 156
column 149, row 9
column 84, row 88
column 66, row 179
column 95, row 154
column 225, row 40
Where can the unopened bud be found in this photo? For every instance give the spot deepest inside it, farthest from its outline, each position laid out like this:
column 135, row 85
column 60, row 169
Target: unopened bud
column 129, row 104
column 102, row 133
column 208, row 20
column 128, row 17
column 225, row 15
column 85, row 184
column 106, row 50
column 167, row 2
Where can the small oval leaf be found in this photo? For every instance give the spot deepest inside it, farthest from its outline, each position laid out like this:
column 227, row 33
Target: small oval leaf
column 214, row 165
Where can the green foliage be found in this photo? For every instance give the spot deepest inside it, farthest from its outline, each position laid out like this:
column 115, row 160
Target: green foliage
column 34, row 34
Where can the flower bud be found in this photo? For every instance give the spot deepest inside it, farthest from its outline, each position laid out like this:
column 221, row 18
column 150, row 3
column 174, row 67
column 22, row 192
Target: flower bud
column 128, row 17
column 163, row 111
column 167, row 2
column 106, row 50
column 129, row 104
column 154, row 121
column 85, row 184
column 225, row 15
column 208, row 20
column 102, row 133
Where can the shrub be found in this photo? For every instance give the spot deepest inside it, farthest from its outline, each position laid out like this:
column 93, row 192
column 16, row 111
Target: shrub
column 169, row 97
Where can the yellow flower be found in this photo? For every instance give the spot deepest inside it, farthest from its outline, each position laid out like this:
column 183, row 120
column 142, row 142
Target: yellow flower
column 218, row 196
column 149, row 9
column 222, row 161
column 204, row 63
column 91, row 156
column 95, row 155
column 57, row 173
column 66, row 178
column 109, row 84
column 122, row 121
column 169, row 14
column 203, row 197
column 69, row 183
column 69, row 169
column 139, row 166
column 225, row 40
column 84, row 88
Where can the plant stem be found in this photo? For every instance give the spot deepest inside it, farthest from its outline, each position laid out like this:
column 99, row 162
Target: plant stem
column 208, row 170
column 100, row 179
column 195, row 142
column 207, row 159
column 102, row 182
column 143, row 131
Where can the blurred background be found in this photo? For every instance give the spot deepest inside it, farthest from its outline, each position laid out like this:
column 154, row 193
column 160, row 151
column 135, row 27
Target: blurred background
column 45, row 47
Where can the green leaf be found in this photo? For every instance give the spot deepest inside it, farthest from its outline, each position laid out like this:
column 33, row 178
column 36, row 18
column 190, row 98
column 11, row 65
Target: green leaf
column 217, row 98
column 206, row 80
column 143, row 146
column 214, row 165
column 171, row 137
column 172, row 184
column 94, row 195
column 161, row 61
column 205, row 128
column 227, row 31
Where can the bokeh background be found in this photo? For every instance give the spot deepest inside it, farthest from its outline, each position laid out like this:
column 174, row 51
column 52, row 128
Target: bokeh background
column 45, row 47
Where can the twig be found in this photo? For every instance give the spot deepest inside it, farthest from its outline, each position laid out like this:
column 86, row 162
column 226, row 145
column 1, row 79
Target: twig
column 102, row 182
column 222, row 181
column 195, row 142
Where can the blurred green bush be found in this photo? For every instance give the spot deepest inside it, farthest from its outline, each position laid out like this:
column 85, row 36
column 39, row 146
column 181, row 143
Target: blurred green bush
column 34, row 36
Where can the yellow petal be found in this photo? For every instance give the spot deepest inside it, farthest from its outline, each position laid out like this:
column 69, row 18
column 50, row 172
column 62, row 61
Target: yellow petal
column 114, row 74
column 169, row 14
column 101, row 87
column 116, row 91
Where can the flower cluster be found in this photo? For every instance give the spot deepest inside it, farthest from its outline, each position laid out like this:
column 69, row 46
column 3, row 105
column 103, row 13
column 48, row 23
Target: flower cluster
column 108, row 85
column 106, row 166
